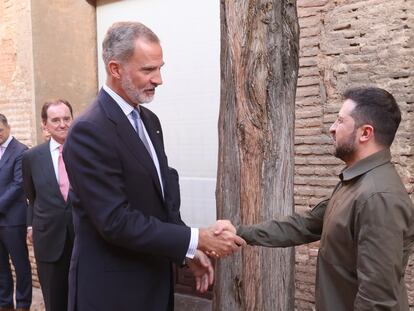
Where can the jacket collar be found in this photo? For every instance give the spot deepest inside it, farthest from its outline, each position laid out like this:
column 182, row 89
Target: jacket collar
column 10, row 145
column 128, row 135
column 363, row 166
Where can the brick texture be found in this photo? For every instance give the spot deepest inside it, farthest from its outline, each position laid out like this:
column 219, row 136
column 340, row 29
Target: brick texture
column 16, row 76
column 347, row 43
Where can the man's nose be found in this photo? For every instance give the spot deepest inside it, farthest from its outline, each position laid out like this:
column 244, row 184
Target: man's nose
column 157, row 79
column 62, row 123
column 332, row 128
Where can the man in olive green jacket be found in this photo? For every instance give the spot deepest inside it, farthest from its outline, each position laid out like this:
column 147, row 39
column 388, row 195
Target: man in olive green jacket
column 366, row 228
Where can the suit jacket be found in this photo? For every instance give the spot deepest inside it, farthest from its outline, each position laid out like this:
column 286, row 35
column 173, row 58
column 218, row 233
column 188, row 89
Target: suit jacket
column 48, row 213
column 127, row 234
column 13, row 204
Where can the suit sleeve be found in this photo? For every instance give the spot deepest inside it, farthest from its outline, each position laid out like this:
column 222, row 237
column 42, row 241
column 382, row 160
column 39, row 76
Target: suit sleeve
column 380, row 226
column 287, row 231
column 173, row 198
column 14, row 189
column 96, row 176
column 28, row 186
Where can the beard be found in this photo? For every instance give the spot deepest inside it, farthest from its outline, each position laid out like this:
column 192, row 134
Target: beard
column 346, row 149
column 137, row 96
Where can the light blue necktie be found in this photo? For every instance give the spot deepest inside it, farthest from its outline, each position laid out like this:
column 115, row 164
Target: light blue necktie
column 140, row 130
column 2, row 150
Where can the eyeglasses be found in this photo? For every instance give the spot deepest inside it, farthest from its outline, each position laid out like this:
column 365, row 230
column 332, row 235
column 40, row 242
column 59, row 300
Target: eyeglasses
column 58, row 121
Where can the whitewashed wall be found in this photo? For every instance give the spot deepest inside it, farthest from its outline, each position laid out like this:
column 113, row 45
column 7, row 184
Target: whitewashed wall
column 188, row 101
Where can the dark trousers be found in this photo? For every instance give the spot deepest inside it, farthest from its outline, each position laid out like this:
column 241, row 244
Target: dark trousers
column 13, row 243
column 53, row 278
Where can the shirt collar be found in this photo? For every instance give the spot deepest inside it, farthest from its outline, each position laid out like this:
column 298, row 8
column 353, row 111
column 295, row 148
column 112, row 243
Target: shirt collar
column 53, row 144
column 125, row 107
column 366, row 164
column 7, row 142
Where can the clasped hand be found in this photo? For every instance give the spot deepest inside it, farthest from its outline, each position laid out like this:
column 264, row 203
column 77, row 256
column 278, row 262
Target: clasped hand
column 220, row 239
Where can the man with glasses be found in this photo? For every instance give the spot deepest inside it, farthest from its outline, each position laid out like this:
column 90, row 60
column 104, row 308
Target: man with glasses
column 49, row 216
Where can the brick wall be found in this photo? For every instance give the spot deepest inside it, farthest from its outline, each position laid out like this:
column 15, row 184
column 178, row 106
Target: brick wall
column 347, row 43
column 343, row 43
column 16, row 63
column 16, row 75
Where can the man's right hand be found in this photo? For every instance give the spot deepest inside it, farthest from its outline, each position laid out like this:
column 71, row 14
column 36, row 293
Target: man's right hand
column 219, row 239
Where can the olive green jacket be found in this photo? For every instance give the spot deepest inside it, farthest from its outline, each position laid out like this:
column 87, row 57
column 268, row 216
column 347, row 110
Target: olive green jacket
column 366, row 231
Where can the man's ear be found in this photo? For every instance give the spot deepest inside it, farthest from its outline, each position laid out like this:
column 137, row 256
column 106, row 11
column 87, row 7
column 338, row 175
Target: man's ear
column 114, row 69
column 367, row 133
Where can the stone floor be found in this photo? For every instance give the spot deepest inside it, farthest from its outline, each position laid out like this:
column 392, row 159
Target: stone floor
column 37, row 300
column 182, row 302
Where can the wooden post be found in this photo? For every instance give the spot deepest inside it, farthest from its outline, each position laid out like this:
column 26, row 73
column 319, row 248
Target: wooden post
column 259, row 68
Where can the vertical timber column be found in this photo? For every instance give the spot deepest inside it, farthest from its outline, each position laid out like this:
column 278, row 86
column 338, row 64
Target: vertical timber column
column 259, row 68
column 64, row 53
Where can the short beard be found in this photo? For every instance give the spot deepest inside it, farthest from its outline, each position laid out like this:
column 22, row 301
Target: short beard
column 346, row 150
column 135, row 95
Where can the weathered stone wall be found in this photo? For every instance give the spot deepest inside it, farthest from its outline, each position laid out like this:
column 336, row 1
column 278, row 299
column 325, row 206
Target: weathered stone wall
column 47, row 50
column 16, row 68
column 343, row 43
column 347, row 43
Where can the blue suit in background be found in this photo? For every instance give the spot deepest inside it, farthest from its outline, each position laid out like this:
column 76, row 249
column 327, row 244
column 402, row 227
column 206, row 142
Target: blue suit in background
column 13, row 209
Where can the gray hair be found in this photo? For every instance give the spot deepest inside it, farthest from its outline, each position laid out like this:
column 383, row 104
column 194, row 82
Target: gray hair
column 3, row 119
column 119, row 42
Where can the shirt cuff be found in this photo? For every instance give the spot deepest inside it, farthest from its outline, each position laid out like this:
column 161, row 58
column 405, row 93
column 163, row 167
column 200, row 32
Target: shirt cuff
column 192, row 247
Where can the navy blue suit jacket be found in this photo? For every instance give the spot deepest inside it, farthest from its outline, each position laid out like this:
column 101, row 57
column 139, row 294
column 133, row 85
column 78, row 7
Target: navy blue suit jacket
column 13, row 204
column 127, row 234
column 48, row 213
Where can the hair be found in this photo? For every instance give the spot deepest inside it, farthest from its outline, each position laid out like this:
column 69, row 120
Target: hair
column 119, row 42
column 53, row 102
column 378, row 108
column 3, row 120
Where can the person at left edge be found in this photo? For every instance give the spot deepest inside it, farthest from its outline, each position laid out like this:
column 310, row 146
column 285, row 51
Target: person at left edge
column 13, row 208
column 49, row 216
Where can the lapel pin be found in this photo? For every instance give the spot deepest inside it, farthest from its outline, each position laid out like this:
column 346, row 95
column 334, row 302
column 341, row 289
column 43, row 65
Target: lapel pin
column 158, row 131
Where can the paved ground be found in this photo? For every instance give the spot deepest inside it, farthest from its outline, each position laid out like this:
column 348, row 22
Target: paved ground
column 37, row 300
column 182, row 302
column 188, row 303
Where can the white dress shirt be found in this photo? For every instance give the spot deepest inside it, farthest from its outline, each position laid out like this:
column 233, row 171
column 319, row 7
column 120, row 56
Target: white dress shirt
column 5, row 144
column 54, row 152
column 127, row 109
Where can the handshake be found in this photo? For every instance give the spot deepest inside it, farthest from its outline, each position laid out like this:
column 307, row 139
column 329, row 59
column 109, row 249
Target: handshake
column 218, row 240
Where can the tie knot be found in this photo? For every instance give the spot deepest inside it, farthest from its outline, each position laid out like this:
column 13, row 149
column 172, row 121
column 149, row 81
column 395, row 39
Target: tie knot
column 135, row 114
column 60, row 149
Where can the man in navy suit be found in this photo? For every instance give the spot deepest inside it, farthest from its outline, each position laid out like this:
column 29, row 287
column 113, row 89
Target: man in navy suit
column 128, row 228
column 13, row 209
column 49, row 216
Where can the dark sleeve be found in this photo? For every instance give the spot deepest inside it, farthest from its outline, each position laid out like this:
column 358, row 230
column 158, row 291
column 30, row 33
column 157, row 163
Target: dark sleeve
column 380, row 226
column 172, row 197
column 96, row 176
column 15, row 188
column 28, row 186
column 287, row 231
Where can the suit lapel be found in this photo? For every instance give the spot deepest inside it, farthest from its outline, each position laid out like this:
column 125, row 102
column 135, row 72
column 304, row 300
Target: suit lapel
column 156, row 139
column 8, row 152
column 128, row 135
